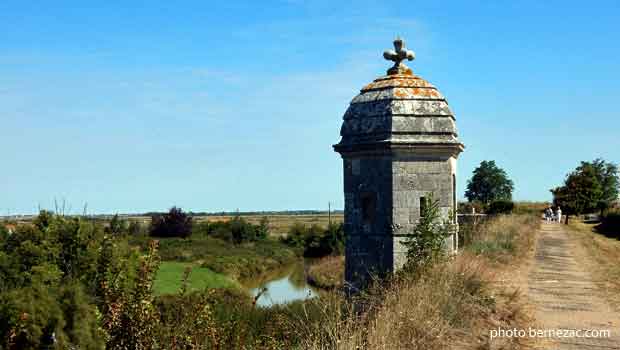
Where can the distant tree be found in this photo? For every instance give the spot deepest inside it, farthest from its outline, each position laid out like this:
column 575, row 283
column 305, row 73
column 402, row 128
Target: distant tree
column 590, row 187
column 241, row 230
column 42, row 221
column 297, row 234
column 263, row 228
column 175, row 223
column 501, row 207
column 489, row 183
column 607, row 175
column 134, row 228
column 201, row 228
column 117, row 226
column 332, row 242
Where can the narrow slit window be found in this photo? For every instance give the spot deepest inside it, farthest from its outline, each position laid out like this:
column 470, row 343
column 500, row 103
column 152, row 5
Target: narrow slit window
column 368, row 207
column 423, row 204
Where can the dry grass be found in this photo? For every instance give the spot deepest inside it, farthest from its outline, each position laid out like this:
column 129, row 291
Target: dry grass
column 327, row 273
column 604, row 252
column 504, row 238
column 535, row 208
column 453, row 305
column 450, row 306
column 279, row 225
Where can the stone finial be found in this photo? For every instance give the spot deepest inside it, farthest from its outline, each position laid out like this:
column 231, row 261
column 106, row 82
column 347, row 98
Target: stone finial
column 398, row 56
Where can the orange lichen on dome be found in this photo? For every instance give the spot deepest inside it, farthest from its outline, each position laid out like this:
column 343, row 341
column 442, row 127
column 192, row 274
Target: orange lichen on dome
column 398, row 80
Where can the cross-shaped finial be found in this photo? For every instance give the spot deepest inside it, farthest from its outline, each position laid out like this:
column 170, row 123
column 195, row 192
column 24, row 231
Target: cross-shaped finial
column 398, row 56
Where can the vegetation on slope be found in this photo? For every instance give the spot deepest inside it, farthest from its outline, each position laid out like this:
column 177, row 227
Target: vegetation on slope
column 65, row 283
column 170, row 278
column 327, row 273
column 604, row 250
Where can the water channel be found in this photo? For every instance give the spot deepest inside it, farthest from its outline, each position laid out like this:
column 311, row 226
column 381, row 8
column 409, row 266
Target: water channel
column 282, row 286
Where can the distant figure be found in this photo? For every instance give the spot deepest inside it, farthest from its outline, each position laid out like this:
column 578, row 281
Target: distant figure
column 548, row 214
column 558, row 213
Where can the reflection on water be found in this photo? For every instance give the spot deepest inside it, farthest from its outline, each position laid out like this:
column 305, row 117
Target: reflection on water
column 286, row 286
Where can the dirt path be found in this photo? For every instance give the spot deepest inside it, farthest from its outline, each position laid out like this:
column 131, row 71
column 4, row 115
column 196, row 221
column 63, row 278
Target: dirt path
column 564, row 296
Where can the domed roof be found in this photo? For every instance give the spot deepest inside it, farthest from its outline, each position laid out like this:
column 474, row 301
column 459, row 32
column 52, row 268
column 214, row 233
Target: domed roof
column 399, row 110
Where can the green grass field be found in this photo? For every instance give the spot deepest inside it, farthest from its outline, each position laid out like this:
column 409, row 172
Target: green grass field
column 170, row 275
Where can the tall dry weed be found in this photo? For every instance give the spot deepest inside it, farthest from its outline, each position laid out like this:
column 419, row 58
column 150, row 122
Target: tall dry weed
column 451, row 305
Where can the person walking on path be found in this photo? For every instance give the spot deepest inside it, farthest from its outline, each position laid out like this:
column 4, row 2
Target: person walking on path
column 548, row 214
column 558, row 214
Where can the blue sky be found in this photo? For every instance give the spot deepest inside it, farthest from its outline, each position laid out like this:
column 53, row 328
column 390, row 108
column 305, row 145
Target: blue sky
column 218, row 106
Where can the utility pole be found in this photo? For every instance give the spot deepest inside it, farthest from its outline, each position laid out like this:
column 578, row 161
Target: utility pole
column 329, row 214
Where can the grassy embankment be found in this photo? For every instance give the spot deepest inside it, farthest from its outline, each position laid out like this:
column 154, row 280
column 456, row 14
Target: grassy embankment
column 603, row 247
column 456, row 302
column 211, row 252
column 171, row 273
column 453, row 303
column 498, row 241
column 223, row 262
column 217, row 263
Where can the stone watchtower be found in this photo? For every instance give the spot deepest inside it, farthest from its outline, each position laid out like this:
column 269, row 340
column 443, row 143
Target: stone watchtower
column 399, row 145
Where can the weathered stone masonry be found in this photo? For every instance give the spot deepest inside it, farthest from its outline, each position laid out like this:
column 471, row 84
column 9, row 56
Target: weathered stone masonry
column 399, row 144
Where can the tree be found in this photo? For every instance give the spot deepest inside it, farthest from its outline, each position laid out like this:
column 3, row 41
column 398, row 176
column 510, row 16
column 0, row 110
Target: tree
column 175, row 223
column 591, row 186
column 607, row 176
column 241, row 230
column 489, row 183
column 263, row 228
column 134, row 228
column 117, row 226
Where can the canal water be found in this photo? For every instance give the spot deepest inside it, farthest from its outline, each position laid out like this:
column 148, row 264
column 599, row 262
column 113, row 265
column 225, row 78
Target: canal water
column 282, row 287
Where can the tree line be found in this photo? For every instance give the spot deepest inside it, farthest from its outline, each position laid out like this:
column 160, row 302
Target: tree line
column 591, row 187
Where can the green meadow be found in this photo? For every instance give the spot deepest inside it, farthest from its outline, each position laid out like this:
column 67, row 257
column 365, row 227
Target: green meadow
column 170, row 278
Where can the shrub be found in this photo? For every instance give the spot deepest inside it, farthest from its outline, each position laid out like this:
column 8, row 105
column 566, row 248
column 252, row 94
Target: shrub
column 262, row 231
column 238, row 230
column 241, row 230
column 200, row 229
column 469, row 207
column 135, row 228
column 116, row 226
column 296, row 236
column 610, row 222
column 425, row 243
column 501, row 207
column 175, row 223
column 316, row 241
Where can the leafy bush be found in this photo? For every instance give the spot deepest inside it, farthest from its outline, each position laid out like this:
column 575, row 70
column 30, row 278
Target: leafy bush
column 315, row 240
column 241, row 230
column 175, row 223
column 470, row 207
column 200, row 229
column 135, row 228
column 238, row 230
column 610, row 223
column 426, row 242
column 501, row 207
column 50, row 274
column 116, row 226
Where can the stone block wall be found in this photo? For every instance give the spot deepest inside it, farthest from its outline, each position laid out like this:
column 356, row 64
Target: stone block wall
column 382, row 204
